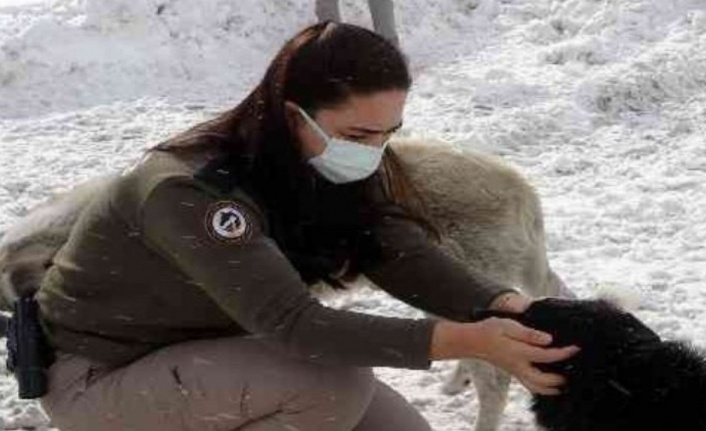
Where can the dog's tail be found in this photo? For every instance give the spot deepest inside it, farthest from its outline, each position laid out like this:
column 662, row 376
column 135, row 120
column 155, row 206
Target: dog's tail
column 625, row 298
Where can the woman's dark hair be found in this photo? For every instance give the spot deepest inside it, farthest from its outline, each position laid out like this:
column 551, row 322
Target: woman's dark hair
column 320, row 67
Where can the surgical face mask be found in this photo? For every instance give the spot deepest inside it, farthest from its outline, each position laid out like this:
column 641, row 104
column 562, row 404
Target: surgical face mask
column 344, row 161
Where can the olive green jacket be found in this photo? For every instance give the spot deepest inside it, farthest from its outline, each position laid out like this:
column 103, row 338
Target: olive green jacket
column 163, row 258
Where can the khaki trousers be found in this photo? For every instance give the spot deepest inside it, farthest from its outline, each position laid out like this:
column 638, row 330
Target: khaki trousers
column 222, row 384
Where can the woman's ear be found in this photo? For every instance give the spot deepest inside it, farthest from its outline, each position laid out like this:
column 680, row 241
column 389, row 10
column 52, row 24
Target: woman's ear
column 310, row 144
column 293, row 117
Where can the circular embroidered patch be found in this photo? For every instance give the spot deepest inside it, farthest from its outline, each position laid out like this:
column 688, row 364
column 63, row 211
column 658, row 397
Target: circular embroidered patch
column 226, row 222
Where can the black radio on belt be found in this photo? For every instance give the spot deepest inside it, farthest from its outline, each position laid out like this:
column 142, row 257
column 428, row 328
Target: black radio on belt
column 29, row 354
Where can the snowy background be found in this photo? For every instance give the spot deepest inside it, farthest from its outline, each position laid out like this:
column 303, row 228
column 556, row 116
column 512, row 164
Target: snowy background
column 601, row 103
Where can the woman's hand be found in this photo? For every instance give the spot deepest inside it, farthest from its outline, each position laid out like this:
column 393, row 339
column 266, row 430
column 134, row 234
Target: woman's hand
column 515, row 348
column 506, row 344
column 512, row 302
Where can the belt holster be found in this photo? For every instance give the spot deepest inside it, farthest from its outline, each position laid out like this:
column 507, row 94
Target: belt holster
column 29, row 353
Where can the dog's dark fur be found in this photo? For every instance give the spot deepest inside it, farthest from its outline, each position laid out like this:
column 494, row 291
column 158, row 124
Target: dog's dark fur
column 624, row 378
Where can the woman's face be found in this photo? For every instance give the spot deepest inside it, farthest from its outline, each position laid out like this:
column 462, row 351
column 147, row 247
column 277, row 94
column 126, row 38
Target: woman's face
column 366, row 119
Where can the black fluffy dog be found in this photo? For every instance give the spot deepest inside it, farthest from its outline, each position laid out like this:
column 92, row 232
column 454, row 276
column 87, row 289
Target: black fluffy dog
column 625, row 378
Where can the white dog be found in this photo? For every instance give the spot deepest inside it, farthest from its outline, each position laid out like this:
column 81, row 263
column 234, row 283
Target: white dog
column 493, row 222
column 491, row 218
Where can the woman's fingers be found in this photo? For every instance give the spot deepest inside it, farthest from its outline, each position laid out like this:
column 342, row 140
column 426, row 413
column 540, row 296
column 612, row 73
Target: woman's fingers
column 533, row 337
column 543, row 379
column 522, row 347
column 547, row 355
column 541, row 383
column 541, row 390
column 519, row 332
column 529, row 351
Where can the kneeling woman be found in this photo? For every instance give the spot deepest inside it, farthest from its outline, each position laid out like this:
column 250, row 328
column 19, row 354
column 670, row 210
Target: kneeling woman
column 180, row 301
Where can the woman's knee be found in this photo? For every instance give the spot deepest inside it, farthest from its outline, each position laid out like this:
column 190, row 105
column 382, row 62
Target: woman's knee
column 359, row 382
column 389, row 410
column 351, row 386
column 325, row 398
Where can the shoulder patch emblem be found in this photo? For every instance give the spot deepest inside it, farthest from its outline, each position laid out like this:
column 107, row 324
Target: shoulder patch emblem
column 226, row 222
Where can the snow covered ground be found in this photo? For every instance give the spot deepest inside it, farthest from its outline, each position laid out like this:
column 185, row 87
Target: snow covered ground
column 601, row 103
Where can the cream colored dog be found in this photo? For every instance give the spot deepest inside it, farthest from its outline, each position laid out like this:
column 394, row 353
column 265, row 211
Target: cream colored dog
column 491, row 217
column 493, row 222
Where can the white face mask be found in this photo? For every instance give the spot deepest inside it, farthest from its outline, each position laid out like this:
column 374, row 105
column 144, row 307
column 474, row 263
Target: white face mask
column 344, row 161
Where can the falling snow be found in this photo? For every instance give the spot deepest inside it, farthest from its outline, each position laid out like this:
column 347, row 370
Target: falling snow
column 602, row 104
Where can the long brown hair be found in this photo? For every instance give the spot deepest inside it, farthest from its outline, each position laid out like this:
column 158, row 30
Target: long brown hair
column 320, row 67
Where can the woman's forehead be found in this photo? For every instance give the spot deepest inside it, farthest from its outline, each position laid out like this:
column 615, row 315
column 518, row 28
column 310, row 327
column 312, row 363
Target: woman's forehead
column 379, row 111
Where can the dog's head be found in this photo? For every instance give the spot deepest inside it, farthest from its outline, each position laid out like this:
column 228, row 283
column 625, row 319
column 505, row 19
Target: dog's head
column 624, row 378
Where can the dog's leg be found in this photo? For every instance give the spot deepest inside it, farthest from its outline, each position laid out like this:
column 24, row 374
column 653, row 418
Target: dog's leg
column 459, row 379
column 491, row 388
column 492, row 385
column 559, row 287
column 539, row 280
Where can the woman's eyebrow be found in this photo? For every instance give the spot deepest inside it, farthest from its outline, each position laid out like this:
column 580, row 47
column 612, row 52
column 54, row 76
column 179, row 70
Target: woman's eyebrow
column 375, row 131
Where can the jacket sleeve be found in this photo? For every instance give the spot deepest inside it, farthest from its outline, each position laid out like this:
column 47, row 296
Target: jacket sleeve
column 245, row 273
column 412, row 268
